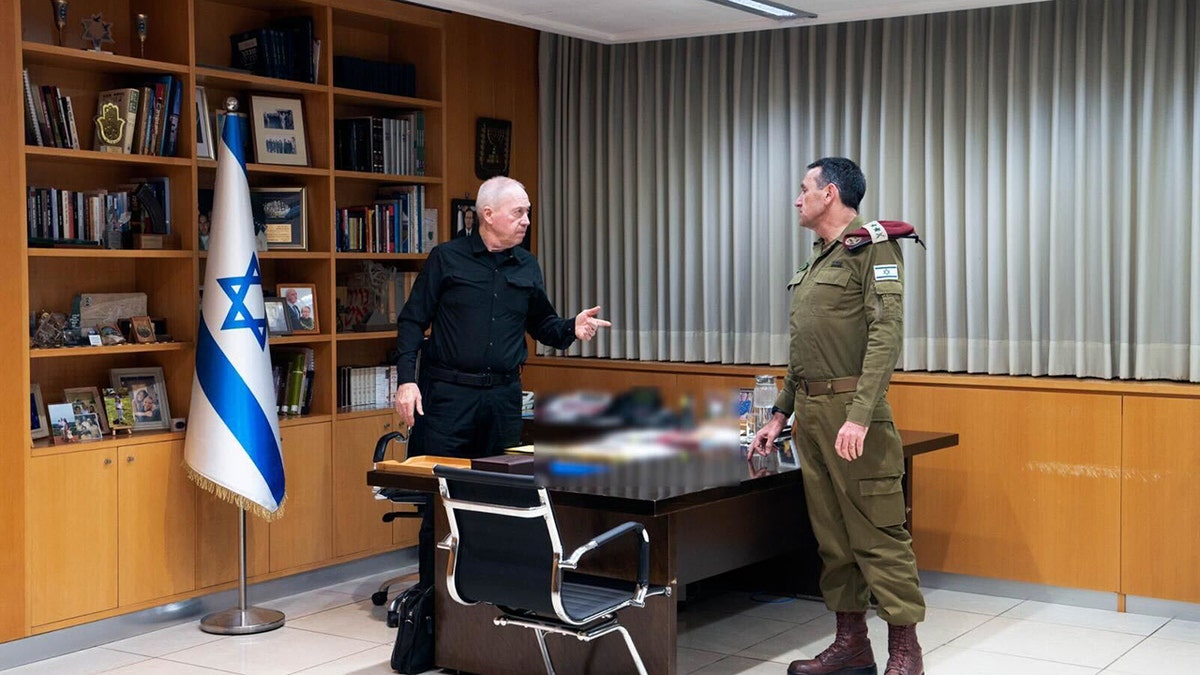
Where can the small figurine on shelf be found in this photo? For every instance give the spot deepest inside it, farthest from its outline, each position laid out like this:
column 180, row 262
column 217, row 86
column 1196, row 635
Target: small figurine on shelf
column 60, row 17
column 97, row 31
column 140, row 24
column 50, row 329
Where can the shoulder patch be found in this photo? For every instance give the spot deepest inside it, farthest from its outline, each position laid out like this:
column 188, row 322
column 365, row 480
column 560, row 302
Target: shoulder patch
column 887, row 272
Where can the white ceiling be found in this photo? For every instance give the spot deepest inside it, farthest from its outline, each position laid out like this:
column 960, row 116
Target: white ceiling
column 613, row 21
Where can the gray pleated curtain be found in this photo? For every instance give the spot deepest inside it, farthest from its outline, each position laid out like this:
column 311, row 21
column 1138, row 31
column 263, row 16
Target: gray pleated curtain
column 1048, row 153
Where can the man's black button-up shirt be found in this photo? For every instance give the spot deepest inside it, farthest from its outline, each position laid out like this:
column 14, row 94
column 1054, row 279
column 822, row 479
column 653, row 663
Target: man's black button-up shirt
column 480, row 305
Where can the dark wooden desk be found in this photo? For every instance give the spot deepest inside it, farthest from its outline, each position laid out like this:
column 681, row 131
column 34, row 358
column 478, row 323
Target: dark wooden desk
column 694, row 534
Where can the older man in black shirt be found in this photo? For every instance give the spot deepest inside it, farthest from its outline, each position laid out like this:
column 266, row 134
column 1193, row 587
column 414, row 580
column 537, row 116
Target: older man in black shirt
column 481, row 294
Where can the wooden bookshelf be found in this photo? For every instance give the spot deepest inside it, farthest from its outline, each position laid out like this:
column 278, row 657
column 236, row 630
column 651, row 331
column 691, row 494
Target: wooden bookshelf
column 189, row 39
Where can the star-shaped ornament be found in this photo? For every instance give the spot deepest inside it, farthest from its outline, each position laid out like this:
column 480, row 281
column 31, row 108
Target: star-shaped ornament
column 97, row 31
column 237, row 288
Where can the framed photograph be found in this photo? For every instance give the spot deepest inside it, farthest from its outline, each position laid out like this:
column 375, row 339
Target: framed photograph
column 277, row 318
column 300, row 307
column 118, row 405
column 147, row 394
column 142, row 329
column 87, row 401
column 278, row 124
column 39, row 427
column 62, row 422
column 493, row 139
column 244, row 121
column 281, row 214
column 206, row 147
column 204, row 205
column 465, row 217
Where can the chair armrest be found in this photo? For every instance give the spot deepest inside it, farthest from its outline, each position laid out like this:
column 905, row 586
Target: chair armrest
column 643, row 577
column 382, row 444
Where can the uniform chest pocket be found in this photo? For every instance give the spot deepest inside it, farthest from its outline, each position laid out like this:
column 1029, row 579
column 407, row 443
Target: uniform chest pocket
column 465, row 289
column 832, row 292
column 514, row 295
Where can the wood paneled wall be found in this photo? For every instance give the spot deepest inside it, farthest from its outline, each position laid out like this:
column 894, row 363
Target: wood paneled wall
column 1072, row 483
column 491, row 72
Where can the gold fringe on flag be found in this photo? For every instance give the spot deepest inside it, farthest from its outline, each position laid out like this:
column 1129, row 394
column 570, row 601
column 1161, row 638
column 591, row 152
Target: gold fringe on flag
column 225, row 494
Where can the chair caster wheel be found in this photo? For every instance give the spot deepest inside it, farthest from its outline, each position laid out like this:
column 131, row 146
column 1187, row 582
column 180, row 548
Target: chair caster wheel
column 378, row 598
column 393, row 619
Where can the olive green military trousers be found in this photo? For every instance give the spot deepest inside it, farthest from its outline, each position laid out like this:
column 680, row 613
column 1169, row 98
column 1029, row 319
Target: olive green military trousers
column 857, row 511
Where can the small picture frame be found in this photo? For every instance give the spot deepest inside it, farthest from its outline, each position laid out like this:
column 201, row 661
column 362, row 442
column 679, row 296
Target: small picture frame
column 118, row 406
column 204, row 205
column 148, row 396
column 465, row 217
column 300, row 306
column 87, row 401
column 206, row 148
column 39, row 426
column 62, row 423
column 141, row 330
column 493, row 140
column 277, row 318
column 278, row 124
column 282, row 214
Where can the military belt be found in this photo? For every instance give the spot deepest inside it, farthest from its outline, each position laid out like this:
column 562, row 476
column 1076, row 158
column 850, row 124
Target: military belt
column 482, row 380
column 838, row 385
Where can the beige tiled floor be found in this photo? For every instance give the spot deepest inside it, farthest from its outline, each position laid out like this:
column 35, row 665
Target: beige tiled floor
column 336, row 631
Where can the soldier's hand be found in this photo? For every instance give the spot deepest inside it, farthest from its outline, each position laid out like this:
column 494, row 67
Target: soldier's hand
column 764, row 440
column 408, row 401
column 850, row 440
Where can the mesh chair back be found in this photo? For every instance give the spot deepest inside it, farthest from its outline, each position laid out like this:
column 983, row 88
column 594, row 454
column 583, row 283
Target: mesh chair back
column 502, row 558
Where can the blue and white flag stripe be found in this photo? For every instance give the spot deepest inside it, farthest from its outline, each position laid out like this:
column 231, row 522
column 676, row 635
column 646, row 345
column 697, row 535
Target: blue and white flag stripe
column 233, row 444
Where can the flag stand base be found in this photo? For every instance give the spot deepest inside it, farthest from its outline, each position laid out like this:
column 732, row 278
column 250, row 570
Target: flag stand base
column 238, row 621
column 242, row 620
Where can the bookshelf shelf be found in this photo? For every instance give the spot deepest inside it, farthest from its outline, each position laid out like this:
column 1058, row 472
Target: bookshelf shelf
column 45, row 446
column 396, row 257
column 94, row 157
column 346, row 96
column 298, row 339
column 37, row 53
column 389, row 334
column 269, row 169
column 301, row 420
column 108, row 351
column 357, row 413
column 240, row 79
column 368, row 177
column 111, row 254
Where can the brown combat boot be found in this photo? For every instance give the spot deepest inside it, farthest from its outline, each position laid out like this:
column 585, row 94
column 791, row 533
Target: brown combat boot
column 904, row 652
column 850, row 653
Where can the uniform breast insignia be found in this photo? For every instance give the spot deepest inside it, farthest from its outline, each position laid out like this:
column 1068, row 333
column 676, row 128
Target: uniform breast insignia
column 880, row 230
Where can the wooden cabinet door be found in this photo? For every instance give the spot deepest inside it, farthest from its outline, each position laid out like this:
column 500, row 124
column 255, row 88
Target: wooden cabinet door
column 357, row 516
column 157, row 518
column 304, row 535
column 73, row 534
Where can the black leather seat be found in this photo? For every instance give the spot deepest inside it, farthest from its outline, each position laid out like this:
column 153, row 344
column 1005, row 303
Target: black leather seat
column 505, row 551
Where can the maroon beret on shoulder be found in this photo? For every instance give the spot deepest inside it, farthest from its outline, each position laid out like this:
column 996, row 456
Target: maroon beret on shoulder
column 877, row 231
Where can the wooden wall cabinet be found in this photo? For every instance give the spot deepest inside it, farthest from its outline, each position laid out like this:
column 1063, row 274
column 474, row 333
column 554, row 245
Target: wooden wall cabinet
column 113, row 526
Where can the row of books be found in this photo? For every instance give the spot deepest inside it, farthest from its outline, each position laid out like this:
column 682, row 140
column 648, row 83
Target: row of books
column 366, row 388
column 150, row 114
column 292, row 370
column 397, row 222
column 49, row 116
column 394, row 145
column 286, row 49
column 84, row 218
column 397, row 79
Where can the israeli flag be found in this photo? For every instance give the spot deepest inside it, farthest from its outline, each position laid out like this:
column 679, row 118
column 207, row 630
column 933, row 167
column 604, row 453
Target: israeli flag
column 233, row 446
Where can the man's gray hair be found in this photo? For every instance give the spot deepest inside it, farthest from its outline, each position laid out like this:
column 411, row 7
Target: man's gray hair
column 494, row 189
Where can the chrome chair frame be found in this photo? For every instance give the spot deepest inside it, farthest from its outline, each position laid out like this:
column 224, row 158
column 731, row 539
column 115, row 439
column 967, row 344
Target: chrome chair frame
column 584, row 629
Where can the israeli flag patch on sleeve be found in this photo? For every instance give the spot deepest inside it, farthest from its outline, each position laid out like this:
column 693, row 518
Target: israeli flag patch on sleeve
column 887, row 272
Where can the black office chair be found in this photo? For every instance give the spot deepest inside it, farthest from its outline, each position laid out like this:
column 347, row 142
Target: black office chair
column 505, row 551
column 421, row 500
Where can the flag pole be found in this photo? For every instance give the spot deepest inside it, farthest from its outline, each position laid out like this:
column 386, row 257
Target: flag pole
column 242, row 620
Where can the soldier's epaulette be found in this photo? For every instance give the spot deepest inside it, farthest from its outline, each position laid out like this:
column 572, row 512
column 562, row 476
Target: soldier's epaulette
column 880, row 230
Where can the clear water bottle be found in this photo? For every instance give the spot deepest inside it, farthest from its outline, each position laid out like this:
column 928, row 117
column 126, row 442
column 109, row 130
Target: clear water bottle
column 765, row 393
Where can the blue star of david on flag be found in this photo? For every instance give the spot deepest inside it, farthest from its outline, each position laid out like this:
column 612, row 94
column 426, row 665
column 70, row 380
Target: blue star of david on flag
column 239, row 315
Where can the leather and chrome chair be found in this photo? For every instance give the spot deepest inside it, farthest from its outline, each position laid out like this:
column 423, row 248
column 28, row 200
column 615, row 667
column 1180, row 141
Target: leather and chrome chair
column 421, row 500
column 505, row 551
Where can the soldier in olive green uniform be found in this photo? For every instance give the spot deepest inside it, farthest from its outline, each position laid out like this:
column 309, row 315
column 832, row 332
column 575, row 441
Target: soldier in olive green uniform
column 846, row 320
